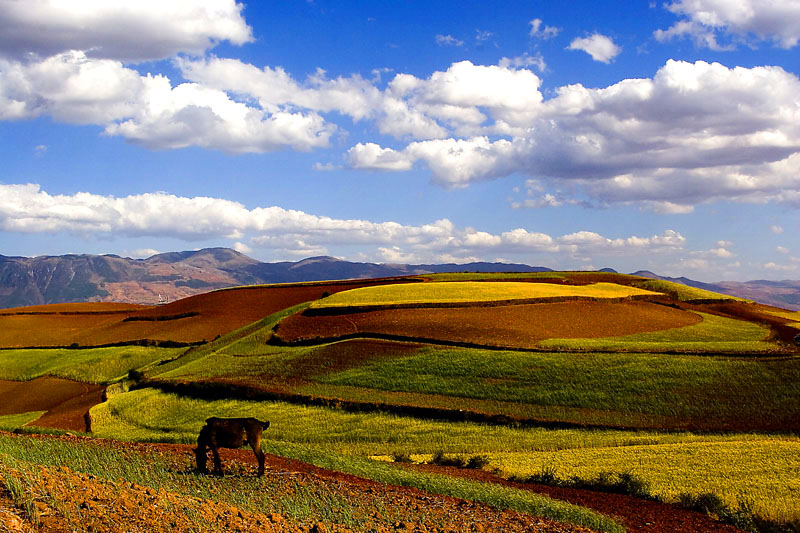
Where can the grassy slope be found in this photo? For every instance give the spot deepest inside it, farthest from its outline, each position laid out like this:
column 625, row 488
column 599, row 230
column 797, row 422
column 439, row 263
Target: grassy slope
column 684, row 293
column 625, row 389
column 93, row 365
column 713, row 334
column 763, row 469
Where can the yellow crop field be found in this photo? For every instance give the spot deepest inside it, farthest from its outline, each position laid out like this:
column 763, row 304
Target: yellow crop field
column 472, row 291
column 765, row 472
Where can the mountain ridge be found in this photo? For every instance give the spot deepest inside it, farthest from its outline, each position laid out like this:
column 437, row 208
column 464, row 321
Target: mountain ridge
column 173, row 275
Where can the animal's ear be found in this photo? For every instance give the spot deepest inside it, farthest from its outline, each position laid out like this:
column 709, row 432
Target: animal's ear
column 265, row 425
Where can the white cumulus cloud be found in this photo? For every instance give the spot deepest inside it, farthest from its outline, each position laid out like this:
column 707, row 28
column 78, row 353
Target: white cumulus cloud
column 705, row 21
column 28, row 209
column 599, row 46
column 136, row 31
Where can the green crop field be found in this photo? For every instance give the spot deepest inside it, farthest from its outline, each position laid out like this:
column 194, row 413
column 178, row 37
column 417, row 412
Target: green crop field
column 90, row 365
column 763, row 469
column 684, row 293
column 617, row 389
column 715, row 334
column 12, row 422
column 471, row 291
column 712, row 391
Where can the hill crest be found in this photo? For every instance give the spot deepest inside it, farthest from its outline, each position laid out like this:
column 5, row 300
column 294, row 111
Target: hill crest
column 173, row 275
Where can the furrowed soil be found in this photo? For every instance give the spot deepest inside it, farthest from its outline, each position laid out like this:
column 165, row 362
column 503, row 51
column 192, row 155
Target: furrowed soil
column 513, row 326
column 65, row 401
column 194, row 319
column 65, row 500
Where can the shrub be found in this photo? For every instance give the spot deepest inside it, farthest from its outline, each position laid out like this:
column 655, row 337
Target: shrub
column 400, row 457
column 706, row 502
column 477, row 462
column 547, row 476
column 440, row 459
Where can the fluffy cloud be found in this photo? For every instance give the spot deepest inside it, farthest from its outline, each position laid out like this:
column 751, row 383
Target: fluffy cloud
column 139, row 31
column 695, row 132
column 600, row 47
column 706, row 20
column 148, row 110
column 28, row 209
column 454, row 162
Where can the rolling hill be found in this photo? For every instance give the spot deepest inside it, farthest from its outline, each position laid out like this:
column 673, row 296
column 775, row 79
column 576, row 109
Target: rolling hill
column 170, row 276
column 494, row 388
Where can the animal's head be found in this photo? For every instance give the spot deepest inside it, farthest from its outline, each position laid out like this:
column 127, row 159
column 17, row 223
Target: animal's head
column 265, row 424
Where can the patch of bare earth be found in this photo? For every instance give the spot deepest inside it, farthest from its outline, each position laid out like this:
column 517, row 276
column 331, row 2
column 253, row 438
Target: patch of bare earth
column 193, row 319
column 66, row 500
column 519, row 326
column 65, row 401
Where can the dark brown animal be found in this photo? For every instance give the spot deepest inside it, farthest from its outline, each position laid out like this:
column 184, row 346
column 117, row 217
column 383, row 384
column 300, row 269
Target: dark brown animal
column 229, row 433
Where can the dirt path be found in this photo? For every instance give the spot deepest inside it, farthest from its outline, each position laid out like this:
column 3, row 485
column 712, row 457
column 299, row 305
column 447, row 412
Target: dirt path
column 637, row 515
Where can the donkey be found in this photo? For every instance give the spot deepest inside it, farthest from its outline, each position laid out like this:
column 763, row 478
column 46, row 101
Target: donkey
column 229, row 433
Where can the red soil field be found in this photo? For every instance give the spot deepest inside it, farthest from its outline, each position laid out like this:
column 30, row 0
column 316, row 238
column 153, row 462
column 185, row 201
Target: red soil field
column 520, row 326
column 214, row 313
column 64, row 400
column 81, row 307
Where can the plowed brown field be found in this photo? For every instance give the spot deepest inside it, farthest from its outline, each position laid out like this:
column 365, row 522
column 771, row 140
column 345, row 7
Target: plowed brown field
column 98, row 307
column 520, row 326
column 64, row 400
column 214, row 313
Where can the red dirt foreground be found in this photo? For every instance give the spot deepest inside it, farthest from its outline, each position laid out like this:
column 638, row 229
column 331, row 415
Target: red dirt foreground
column 193, row 319
column 102, row 505
column 519, row 326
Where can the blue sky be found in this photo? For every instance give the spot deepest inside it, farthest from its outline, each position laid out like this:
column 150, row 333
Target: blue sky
column 575, row 135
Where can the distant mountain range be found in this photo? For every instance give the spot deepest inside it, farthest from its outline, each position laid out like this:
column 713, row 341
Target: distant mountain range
column 784, row 293
column 170, row 276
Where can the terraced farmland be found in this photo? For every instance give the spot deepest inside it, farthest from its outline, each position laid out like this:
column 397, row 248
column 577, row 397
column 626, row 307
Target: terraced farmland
column 191, row 320
column 600, row 376
column 471, row 292
column 520, row 326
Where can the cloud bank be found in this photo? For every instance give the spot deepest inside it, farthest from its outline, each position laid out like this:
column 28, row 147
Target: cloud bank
column 28, row 209
column 693, row 133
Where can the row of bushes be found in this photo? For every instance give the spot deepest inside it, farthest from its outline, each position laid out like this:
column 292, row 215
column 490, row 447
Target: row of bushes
column 741, row 516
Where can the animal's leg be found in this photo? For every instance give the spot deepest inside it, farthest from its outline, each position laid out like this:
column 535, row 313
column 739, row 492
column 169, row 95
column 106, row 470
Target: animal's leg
column 259, row 455
column 217, row 462
column 254, row 439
